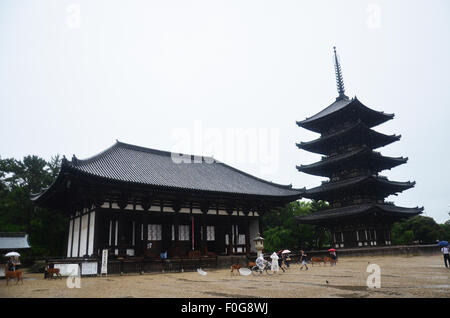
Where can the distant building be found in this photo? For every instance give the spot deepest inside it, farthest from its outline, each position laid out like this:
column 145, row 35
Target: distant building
column 13, row 241
column 358, row 214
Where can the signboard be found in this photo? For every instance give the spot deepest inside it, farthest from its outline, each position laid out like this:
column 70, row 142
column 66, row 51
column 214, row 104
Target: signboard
column 104, row 269
column 89, row 268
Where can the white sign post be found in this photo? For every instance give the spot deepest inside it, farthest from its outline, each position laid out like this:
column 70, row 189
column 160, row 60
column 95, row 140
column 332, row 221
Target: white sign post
column 104, row 269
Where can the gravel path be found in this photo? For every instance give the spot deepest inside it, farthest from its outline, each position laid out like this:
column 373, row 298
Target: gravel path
column 401, row 276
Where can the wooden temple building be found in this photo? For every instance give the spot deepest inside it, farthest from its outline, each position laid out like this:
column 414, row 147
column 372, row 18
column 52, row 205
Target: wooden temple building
column 358, row 214
column 141, row 203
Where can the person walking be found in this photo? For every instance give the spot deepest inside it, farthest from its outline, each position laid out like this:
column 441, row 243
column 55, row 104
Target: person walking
column 333, row 256
column 286, row 259
column 275, row 260
column 303, row 259
column 280, row 261
column 444, row 251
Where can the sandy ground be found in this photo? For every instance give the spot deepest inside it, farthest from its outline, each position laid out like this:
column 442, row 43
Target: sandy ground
column 401, row 276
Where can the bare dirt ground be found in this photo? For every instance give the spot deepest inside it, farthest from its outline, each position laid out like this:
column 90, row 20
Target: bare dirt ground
column 401, row 276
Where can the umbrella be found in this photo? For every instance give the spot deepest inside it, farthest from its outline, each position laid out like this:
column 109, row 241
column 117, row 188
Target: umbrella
column 331, row 250
column 201, row 271
column 12, row 254
column 443, row 243
column 285, row 251
column 245, row 271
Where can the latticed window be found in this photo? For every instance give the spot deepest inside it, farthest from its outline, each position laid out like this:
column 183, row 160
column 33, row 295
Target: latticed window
column 183, row 232
column 210, row 233
column 154, row 232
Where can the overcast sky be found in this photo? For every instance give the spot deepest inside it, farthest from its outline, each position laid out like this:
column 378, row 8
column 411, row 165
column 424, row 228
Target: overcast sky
column 228, row 79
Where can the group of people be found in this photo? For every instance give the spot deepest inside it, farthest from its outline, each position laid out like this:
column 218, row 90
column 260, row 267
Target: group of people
column 281, row 260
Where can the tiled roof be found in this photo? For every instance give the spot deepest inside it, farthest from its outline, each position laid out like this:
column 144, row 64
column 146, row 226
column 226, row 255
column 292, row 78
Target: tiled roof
column 353, row 210
column 330, row 164
column 11, row 241
column 134, row 164
column 358, row 131
column 377, row 182
column 368, row 115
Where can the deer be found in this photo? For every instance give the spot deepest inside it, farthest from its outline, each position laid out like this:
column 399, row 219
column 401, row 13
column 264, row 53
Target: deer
column 13, row 275
column 51, row 272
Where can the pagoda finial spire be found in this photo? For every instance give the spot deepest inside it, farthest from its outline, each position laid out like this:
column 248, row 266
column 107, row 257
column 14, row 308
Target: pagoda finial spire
column 339, row 77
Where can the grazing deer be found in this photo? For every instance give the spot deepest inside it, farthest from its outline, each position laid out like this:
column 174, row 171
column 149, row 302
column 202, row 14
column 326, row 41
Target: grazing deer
column 329, row 260
column 235, row 267
column 316, row 260
column 51, row 272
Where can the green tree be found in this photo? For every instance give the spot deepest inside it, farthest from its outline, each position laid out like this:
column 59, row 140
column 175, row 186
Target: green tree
column 282, row 231
column 421, row 229
column 445, row 230
column 18, row 179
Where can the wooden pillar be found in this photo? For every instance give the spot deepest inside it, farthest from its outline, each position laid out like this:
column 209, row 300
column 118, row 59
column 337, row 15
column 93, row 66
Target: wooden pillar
column 193, row 224
column 145, row 233
column 137, row 234
column 176, row 223
column 203, row 224
column 166, row 236
column 195, row 231
column 260, row 225
column 121, row 234
column 229, row 231
column 247, row 235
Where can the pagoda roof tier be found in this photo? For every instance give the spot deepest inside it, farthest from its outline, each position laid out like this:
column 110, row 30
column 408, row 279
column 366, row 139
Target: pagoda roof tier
column 149, row 169
column 330, row 216
column 368, row 184
column 341, row 111
column 362, row 158
column 358, row 133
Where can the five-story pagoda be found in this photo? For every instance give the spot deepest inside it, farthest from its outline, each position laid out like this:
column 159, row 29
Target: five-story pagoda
column 358, row 214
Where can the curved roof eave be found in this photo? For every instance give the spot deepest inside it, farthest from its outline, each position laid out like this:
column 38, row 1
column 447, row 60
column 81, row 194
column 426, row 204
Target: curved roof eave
column 334, row 108
column 75, row 166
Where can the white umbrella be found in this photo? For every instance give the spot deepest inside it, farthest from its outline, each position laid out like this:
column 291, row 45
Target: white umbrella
column 245, row 271
column 201, row 271
column 12, row 254
column 286, row 251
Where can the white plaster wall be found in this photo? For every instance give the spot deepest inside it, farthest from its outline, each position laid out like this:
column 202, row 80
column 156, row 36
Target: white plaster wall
column 76, row 228
column 91, row 233
column 69, row 241
column 84, row 234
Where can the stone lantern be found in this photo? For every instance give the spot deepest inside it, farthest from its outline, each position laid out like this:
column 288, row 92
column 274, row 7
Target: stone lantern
column 259, row 245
